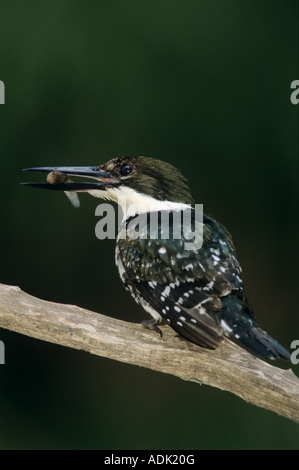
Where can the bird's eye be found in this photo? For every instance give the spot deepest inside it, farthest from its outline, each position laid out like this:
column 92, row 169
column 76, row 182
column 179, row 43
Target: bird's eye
column 125, row 170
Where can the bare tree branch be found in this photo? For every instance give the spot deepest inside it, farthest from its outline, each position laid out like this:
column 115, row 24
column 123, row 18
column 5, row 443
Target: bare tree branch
column 229, row 367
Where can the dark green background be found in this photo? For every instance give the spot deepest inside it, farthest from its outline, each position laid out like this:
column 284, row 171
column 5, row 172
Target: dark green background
column 203, row 84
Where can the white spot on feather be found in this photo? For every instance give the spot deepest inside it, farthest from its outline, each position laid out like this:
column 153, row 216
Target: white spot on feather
column 225, row 326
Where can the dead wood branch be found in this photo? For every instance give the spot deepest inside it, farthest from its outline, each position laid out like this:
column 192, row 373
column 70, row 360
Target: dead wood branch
column 229, row 367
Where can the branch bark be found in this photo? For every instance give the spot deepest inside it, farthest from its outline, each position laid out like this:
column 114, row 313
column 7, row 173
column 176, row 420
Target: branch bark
column 229, row 367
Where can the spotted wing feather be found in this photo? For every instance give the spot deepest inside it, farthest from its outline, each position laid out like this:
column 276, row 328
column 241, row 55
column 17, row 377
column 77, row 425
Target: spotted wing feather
column 184, row 287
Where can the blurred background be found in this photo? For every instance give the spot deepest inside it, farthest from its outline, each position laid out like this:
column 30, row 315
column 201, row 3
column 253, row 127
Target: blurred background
column 202, row 84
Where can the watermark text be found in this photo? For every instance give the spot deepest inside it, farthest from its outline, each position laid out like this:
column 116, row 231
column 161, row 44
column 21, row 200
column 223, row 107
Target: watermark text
column 2, row 92
column 2, row 353
column 166, row 224
column 295, row 95
column 295, row 353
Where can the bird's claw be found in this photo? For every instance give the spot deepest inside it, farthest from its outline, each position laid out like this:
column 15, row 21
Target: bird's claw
column 152, row 325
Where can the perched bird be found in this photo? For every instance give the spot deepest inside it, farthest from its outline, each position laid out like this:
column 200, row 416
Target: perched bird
column 199, row 292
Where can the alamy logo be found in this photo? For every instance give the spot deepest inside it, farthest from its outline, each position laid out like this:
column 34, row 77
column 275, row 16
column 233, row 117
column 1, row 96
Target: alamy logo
column 295, row 353
column 2, row 92
column 295, row 94
column 2, row 353
column 152, row 223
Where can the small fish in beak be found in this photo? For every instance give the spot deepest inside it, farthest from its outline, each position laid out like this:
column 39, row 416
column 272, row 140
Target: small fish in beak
column 56, row 177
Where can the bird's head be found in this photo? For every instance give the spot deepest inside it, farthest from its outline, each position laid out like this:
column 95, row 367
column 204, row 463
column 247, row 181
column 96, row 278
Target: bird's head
column 137, row 180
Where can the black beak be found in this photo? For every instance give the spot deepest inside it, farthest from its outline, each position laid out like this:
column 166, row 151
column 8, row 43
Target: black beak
column 60, row 178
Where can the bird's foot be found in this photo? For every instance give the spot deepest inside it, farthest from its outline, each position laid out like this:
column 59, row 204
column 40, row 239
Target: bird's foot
column 152, row 325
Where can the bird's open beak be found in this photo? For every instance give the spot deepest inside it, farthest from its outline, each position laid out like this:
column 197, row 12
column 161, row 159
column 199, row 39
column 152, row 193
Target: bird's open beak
column 63, row 183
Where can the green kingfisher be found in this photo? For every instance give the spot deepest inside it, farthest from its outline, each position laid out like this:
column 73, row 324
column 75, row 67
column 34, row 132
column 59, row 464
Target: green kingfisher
column 198, row 291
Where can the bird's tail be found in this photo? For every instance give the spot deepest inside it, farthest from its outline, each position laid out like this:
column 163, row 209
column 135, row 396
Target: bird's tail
column 236, row 321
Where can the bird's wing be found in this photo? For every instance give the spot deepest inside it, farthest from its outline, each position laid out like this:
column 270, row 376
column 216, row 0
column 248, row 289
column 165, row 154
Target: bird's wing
column 184, row 286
